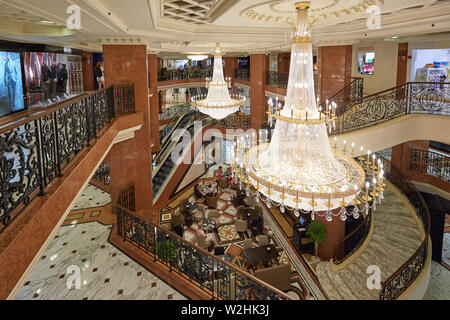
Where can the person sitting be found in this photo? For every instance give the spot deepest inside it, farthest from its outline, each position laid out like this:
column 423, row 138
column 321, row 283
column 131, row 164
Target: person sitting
column 219, row 173
column 209, row 237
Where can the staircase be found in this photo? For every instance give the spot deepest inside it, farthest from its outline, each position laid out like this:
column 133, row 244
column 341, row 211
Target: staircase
column 395, row 239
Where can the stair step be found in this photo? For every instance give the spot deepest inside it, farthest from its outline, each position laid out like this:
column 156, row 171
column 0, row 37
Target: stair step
column 361, row 275
column 344, row 290
column 404, row 230
column 360, row 290
column 375, row 258
column 395, row 220
column 326, row 283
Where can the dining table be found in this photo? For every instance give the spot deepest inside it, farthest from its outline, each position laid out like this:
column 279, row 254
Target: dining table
column 263, row 254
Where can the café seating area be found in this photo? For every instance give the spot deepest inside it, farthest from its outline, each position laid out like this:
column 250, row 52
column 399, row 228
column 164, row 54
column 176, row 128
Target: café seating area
column 219, row 217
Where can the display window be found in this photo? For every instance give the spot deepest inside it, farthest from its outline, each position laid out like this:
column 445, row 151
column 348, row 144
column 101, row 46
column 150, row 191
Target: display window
column 366, row 63
column 430, row 65
column 52, row 77
column 11, row 84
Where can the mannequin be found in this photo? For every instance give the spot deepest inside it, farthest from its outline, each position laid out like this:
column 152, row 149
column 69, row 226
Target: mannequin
column 53, row 80
column 62, row 79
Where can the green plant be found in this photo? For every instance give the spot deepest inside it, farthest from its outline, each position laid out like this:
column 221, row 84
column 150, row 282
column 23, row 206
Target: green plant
column 165, row 250
column 317, row 232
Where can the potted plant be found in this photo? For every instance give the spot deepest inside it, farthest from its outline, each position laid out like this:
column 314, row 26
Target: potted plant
column 317, row 232
column 166, row 250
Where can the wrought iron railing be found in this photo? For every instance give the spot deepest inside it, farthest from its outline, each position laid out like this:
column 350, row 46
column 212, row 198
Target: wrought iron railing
column 179, row 74
column 353, row 241
column 277, row 79
column 210, row 274
column 123, row 98
column 351, row 93
column 409, row 98
column 430, row 162
column 243, row 74
column 102, row 174
column 233, row 122
column 35, row 150
column 127, row 198
column 175, row 111
column 401, row 279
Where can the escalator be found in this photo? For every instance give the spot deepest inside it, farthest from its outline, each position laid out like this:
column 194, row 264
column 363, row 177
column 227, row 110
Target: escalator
column 163, row 161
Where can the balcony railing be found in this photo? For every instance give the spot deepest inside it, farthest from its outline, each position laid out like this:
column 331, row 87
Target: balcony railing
column 102, row 174
column 179, row 74
column 35, row 150
column 207, row 272
column 277, row 79
column 242, row 74
column 401, row 279
column 233, row 122
column 409, row 98
column 350, row 94
column 175, row 111
column 430, row 162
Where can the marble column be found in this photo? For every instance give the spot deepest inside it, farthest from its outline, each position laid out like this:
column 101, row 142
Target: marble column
column 88, row 71
column 335, row 235
column 231, row 64
column 154, row 103
column 130, row 160
column 258, row 103
column 334, row 70
column 401, row 154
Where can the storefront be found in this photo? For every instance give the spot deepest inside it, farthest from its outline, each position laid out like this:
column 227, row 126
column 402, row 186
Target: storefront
column 37, row 75
column 430, row 65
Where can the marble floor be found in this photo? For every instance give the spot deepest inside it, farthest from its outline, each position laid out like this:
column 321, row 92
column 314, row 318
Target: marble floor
column 92, row 197
column 106, row 273
column 439, row 287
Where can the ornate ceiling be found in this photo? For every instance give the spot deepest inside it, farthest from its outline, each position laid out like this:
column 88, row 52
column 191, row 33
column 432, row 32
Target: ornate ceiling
column 181, row 26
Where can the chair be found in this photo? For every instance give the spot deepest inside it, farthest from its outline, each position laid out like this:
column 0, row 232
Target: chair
column 212, row 202
column 257, row 226
column 223, row 183
column 263, row 240
column 214, row 215
column 259, row 210
column 177, row 220
column 277, row 276
column 250, row 201
column 241, row 225
column 200, row 213
column 247, row 244
column 202, row 243
column 240, row 210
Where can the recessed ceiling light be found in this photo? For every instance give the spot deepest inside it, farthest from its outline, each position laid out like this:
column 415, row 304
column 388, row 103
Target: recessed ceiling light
column 394, row 37
column 47, row 22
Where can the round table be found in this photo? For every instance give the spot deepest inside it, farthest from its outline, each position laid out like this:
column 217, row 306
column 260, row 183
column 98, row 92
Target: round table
column 208, row 225
column 208, row 188
column 190, row 207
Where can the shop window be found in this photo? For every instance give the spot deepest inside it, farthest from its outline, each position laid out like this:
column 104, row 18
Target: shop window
column 366, row 62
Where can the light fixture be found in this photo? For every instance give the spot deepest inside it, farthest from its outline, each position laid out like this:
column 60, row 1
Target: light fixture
column 197, row 57
column 298, row 170
column 394, row 37
column 218, row 103
column 47, row 22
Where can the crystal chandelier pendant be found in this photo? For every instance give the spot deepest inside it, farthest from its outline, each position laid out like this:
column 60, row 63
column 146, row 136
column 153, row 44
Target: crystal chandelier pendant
column 218, row 103
column 299, row 162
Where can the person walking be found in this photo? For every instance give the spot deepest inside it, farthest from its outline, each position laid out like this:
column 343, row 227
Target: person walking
column 99, row 73
column 11, row 76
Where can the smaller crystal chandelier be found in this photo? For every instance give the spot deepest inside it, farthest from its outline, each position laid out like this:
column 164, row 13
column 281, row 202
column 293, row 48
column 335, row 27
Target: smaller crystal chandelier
column 218, row 104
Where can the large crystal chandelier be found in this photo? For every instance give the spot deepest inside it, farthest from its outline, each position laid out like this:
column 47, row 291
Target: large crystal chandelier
column 299, row 170
column 218, row 104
